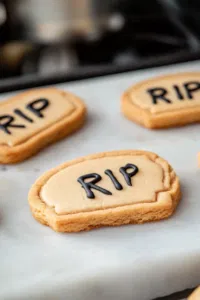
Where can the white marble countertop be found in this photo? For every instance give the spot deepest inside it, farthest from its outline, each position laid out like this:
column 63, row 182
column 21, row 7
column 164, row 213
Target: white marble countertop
column 134, row 262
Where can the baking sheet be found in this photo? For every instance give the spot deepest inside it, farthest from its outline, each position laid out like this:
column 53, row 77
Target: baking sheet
column 134, row 262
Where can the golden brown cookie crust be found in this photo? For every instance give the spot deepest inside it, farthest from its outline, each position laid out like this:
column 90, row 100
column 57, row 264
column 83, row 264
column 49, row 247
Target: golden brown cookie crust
column 128, row 214
column 47, row 136
column 161, row 120
column 195, row 295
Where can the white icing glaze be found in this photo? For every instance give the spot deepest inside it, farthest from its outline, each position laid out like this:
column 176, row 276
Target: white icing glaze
column 65, row 194
column 59, row 106
column 141, row 98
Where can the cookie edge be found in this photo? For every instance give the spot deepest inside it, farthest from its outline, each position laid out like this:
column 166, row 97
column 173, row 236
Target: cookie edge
column 195, row 294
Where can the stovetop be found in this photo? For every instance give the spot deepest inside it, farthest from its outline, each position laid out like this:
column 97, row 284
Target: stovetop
column 148, row 37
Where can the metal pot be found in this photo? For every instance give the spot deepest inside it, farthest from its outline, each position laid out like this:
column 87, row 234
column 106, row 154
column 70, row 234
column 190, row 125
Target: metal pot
column 47, row 21
column 2, row 14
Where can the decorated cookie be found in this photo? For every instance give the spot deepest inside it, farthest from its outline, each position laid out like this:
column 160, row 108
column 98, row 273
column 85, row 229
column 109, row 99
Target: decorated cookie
column 111, row 188
column 195, row 295
column 165, row 101
column 34, row 119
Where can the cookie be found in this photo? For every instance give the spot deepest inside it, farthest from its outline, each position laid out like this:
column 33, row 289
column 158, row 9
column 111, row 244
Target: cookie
column 105, row 189
column 166, row 101
column 36, row 118
column 195, row 295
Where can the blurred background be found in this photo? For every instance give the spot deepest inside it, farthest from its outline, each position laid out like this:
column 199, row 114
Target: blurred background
column 50, row 41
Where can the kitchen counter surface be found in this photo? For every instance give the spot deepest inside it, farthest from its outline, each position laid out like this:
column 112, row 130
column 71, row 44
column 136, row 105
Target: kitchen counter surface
column 134, row 262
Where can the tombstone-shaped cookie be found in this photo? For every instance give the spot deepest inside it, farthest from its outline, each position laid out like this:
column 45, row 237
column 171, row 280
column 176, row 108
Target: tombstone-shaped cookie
column 112, row 188
column 166, row 101
column 34, row 119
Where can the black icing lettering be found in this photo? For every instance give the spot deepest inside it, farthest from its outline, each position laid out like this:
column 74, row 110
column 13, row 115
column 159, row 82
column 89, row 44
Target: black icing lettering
column 8, row 123
column 128, row 176
column 158, row 94
column 92, row 185
column 178, row 92
column 38, row 106
column 116, row 183
column 191, row 87
column 22, row 115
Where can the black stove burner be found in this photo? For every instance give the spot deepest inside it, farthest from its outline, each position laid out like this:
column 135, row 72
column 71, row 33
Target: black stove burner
column 149, row 37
